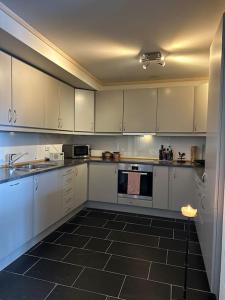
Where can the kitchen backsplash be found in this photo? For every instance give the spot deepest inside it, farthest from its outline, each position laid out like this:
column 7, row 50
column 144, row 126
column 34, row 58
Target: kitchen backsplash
column 38, row 146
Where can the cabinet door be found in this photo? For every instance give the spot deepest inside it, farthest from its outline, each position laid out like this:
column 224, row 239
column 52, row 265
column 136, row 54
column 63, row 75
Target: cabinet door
column 27, row 95
column 109, row 111
column 47, row 200
column 161, row 187
column 52, row 102
column 175, row 109
column 81, row 184
column 103, row 182
column 67, row 186
column 16, row 205
column 84, row 110
column 181, row 187
column 66, row 118
column 140, row 110
column 5, row 89
column 201, row 108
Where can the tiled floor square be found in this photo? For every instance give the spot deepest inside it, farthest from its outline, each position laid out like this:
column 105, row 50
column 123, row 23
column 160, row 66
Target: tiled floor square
column 88, row 221
column 177, row 293
column 69, row 228
column 98, row 244
column 133, row 219
column 178, row 259
column 87, row 258
column 72, row 240
column 55, row 271
column 22, row 264
column 100, row 282
column 114, row 225
column 55, row 252
column 128, row 266
column 93, row 231
column 140, row 289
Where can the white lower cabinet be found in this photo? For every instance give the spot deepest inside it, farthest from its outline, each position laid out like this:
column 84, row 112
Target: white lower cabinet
column 103, row 182
column 67, row 188
column 81, row 179
column 181, row 187
column 47, row 200
column 161, row 187
column 16, row 207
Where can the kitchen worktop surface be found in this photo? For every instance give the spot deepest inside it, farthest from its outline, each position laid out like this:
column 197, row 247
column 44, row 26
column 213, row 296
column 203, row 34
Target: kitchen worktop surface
column 7, row 174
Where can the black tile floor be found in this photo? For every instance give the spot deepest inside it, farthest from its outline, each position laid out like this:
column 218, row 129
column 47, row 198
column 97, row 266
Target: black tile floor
column 108, row 255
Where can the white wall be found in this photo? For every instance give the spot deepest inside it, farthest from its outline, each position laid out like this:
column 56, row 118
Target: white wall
column 38, row 146
column 143, row 146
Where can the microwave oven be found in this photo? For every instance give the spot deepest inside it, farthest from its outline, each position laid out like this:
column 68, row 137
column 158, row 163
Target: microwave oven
column 76, row 151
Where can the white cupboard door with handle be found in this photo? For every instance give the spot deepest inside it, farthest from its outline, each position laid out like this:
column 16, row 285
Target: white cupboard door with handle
column 161, row 187
column 181, row 187
column 140, row 110
column 109, row 111
column 175, row 111
column 103, row 182
column 47, row 200
column 80, row 183
column 201, row 108
column 16, row 208
column 27, row 95
column 52, row 102
column 5, row 89
column 84, row 110
column 66, row 107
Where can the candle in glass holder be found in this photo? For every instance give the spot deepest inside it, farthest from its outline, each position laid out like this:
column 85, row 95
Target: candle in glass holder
column 188, row 211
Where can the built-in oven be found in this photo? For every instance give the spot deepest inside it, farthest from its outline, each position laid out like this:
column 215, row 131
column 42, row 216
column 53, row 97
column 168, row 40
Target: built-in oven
column 144, row 188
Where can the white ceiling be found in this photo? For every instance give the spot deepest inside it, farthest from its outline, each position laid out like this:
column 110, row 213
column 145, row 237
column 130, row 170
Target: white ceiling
column 107, row 36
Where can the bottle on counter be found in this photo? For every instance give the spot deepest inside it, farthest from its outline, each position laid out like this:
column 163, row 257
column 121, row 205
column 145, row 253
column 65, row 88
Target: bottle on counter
column 161, row 152
column 170, row 153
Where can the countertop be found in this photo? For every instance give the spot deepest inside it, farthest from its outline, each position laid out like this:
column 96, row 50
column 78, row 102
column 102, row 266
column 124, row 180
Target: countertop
column 7, row 175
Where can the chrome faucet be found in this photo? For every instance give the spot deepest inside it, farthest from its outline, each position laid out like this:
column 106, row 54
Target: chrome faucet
column 12, row 160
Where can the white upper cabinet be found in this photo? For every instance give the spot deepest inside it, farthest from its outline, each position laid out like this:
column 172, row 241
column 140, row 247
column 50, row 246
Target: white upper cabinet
column 5, row 89
column 201, row 108
column 52, row 102
column 84, row 110
column 140, row 110
column 66, row 107
column 175, row 109
column 27, row 95
column 109, row 111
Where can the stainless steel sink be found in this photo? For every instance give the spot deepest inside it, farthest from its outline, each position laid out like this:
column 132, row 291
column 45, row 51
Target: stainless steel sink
column 33, row 167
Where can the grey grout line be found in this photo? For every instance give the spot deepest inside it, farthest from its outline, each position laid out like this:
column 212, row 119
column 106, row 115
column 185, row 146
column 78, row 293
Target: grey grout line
column 75, row 229
column 167, row 253
column 149, row 270
column 50, row 291
column 108, row 247
column 171, row 292
column 32, row 266
column 122, row 286
column 67, row 254
column 58, row 237
column 110, row 256
column 124, row 227
column 123, row 256
column 90, row 238
column 159, row 241
column 81, row 272
column 106, row 238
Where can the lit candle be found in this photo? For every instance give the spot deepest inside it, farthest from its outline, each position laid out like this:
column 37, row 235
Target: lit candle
column 189, row 211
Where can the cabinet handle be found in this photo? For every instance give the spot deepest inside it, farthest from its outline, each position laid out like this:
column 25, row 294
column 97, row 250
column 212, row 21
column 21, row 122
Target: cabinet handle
column 15, row 116
column 15, row 184
column 10, row 115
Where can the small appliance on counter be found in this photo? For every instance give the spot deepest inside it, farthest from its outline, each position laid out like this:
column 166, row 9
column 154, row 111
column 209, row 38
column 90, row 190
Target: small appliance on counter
column 57, row 156
column 76, row 151
column 107, row 155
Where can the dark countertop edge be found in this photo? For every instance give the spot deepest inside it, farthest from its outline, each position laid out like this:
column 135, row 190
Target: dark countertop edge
column 20, row 174
column 74, row 162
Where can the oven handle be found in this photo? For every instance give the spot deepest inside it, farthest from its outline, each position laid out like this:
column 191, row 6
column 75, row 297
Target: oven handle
column 125, row 172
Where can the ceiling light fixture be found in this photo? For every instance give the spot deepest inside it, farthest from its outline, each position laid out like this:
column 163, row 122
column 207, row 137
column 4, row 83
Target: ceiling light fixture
column 146, row 59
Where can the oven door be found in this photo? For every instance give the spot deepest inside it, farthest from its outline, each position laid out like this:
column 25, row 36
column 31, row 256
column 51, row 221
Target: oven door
column 146, row 183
